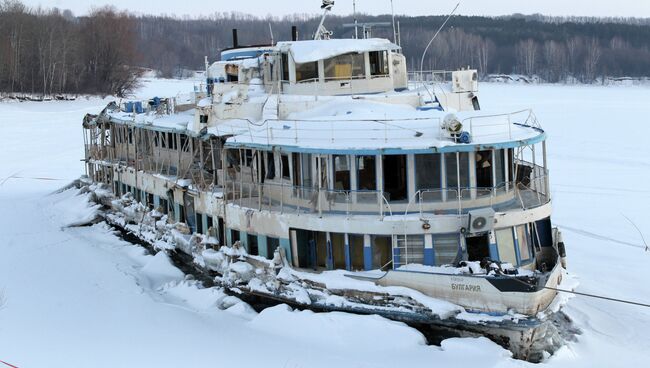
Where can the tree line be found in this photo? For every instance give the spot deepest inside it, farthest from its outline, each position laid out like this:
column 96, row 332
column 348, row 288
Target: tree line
column 51, row 51
column 48, row 51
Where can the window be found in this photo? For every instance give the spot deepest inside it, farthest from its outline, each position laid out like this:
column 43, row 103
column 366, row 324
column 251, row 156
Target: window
column 382, row 249
column 356, row 252
column 457, row 176
column 130, row 136
column 499, row 167
column 307, row 72
column 347, row 66
column 271, row 245
column 270, row 165
column 378, row 63
column 171, row 141
column 338, row 250
column 203, row 119
column 366, row 173
column 285, row 66
column 446, row 249
column 248, row 158
column 428, row 171
column 506, row 246
column 483, row 169
column 251, row 242
column 524, row 243
column 341, row 172
column 185, row 143
column 156, row 139
column 394, row 170
column 199, row 224
column 286, row 172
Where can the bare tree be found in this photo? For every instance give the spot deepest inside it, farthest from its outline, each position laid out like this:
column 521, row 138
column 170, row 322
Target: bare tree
column 526, row 56
column 592, row 59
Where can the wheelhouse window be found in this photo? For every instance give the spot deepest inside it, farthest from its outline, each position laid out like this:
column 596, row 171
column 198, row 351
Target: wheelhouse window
column 347, row 66
column 446, row 249
column 307, row 72
column 341, row 172
column 378, row 63
column 366, row 173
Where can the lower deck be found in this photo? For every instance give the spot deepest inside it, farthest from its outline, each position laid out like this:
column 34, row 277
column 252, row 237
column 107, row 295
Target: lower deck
column 331, row 241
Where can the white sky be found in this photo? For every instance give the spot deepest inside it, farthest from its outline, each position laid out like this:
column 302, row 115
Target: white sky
column 617, row 8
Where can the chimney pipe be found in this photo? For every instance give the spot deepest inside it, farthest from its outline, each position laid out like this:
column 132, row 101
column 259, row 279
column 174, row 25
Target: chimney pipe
column 294, row 33
column 234, row 38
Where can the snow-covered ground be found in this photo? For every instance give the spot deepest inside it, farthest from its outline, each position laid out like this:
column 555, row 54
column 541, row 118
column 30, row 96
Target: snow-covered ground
column 80, row 297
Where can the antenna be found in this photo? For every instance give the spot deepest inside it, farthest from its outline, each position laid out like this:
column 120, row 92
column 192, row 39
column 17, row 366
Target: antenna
column 434, row 37
column 354, row 14
column 271, row 31
column 392, row 12
column 321, row 32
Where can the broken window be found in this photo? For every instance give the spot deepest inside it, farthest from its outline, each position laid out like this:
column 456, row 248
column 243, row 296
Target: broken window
column 506, row 245
column 251, row 242
column 446, row 249
column 270, row 165
column 338, row 250
column 394, row 171
column 307, row 72
column 341, row 172
column 366, row 173
column 356, row 252
column 382, row 251
column 199, row 223
column 271, row 245
column 483, row 169
column 185, row 144
column 347, row 66
column 378, row 63
column 286, row 172
column 301, row 169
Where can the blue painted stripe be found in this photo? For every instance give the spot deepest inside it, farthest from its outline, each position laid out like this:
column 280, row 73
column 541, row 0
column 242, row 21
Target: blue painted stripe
column 367, row 258
column 348, row 260
column 428, row 257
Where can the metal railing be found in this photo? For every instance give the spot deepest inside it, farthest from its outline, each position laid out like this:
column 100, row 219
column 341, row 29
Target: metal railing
column 494, row 125
column 528, row 192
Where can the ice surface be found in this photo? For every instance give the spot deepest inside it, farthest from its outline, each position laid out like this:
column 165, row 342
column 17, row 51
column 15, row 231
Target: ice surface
column 74, row 296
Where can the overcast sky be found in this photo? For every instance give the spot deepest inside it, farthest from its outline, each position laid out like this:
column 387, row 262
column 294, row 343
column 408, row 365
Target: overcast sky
column 614, row 8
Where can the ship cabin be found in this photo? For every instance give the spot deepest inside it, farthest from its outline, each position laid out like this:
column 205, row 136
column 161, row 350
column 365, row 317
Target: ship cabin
column 326, row 150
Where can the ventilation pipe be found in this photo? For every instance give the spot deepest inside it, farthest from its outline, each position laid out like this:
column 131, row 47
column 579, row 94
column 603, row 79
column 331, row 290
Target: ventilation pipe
column 294, row 33
column 235, row 43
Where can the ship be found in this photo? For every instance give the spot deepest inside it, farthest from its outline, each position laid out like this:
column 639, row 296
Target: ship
column 322, row 174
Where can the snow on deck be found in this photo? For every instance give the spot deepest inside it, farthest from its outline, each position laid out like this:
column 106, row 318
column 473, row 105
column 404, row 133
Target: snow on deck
column 367, row 125
column 313, row 50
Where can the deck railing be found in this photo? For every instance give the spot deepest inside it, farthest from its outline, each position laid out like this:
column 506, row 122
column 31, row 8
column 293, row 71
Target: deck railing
column 529, row 192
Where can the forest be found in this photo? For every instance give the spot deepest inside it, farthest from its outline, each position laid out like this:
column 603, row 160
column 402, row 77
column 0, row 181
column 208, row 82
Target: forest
column 50, row 51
